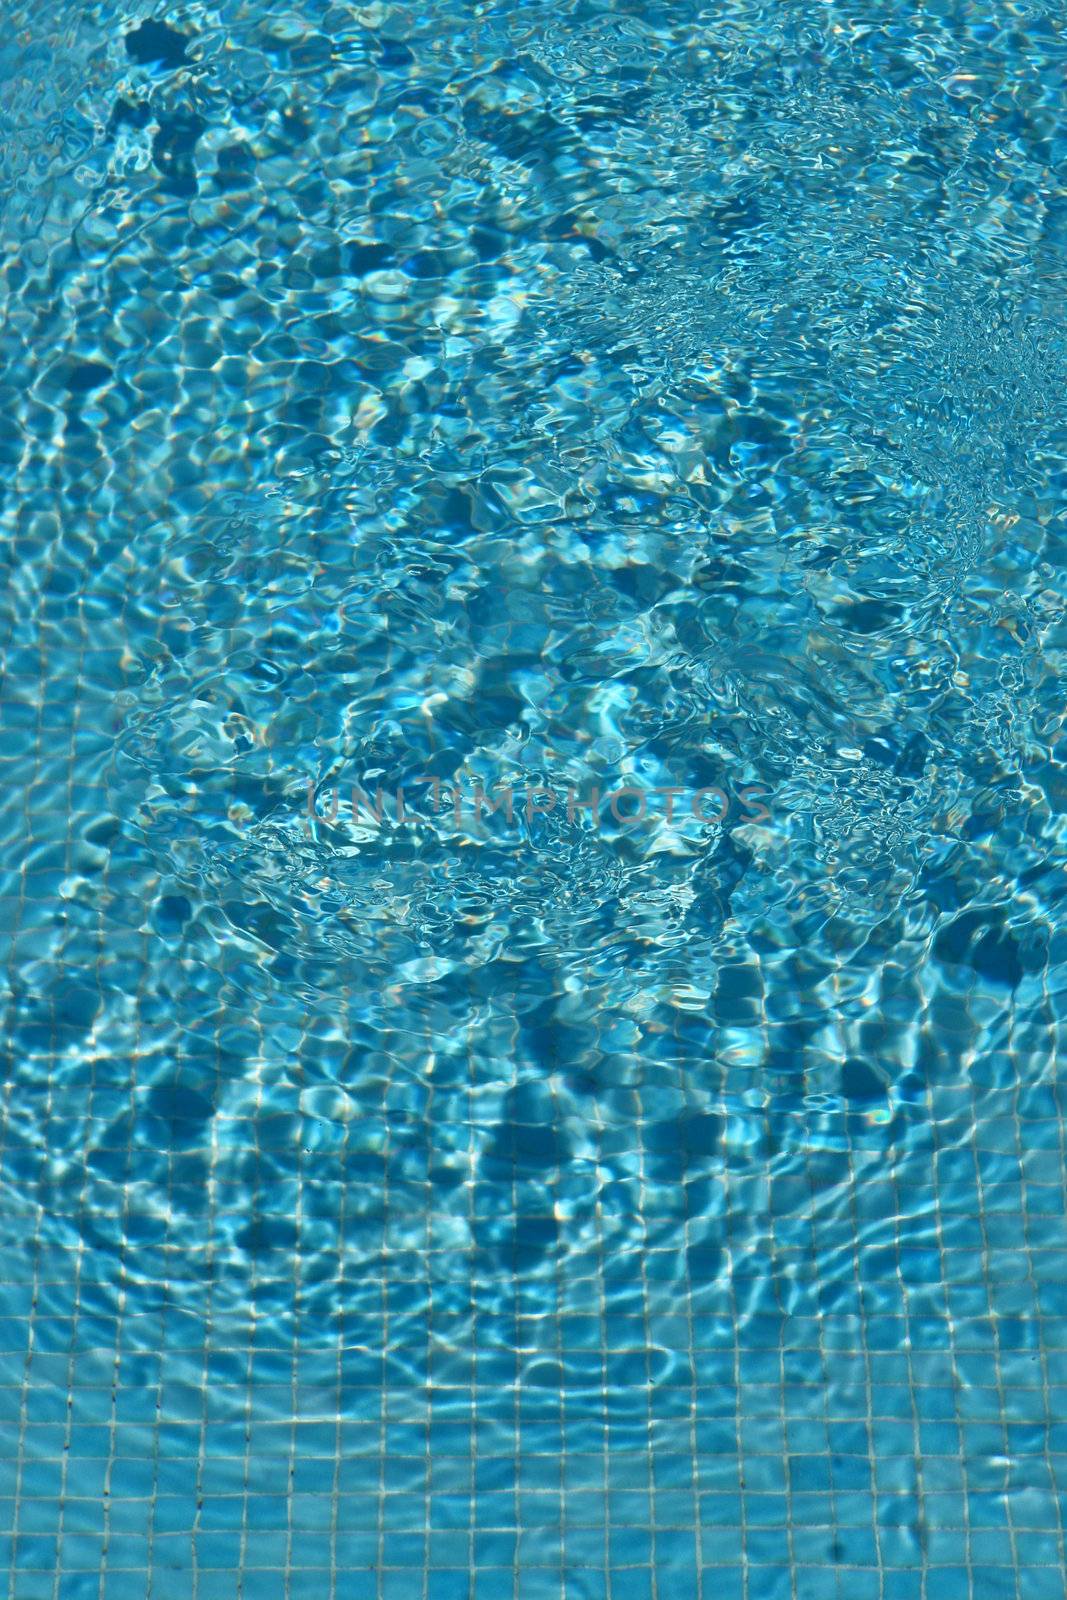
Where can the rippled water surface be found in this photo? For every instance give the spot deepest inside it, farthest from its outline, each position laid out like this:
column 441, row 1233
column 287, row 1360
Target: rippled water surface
column 404, row 1195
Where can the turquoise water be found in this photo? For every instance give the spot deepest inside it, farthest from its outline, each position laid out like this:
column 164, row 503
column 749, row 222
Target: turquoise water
column 427, row 1173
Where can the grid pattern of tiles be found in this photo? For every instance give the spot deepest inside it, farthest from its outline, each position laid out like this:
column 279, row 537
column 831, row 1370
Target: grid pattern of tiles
column 868, row 1403
column 270, row 1329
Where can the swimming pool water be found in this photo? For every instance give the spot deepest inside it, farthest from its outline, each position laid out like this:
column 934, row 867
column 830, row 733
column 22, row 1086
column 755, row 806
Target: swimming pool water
column 426, row 1171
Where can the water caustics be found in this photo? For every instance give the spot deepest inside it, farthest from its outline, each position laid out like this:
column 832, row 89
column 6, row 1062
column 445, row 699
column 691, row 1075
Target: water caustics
column 565, row 1200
